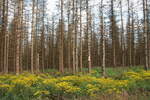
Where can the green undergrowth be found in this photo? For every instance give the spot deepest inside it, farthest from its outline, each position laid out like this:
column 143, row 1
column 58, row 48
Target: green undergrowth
column 44, row 86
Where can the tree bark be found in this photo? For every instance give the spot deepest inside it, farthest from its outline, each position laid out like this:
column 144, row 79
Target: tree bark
column 81, row 54
column 33, row 36
column 145, row 32
column 61, row 60
column 122, row 36
column 89, row 37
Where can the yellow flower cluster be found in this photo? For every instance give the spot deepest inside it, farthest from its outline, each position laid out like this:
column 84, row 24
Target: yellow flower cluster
column 26, row 80
column 67, row 87
column 69, row 78
column 133, row 75
column 88, row 79
column 92, row 90
column 121, row 83
column 39, row 93
column 105, row 81
column 5, row 86
column 50, row 81
column 145, row 74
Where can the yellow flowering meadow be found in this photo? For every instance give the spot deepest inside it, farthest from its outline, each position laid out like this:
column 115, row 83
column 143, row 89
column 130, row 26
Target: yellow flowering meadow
column 34, row 86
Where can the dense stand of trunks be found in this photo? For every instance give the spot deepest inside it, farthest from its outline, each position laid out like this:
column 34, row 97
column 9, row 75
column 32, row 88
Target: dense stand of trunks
column 73, row 39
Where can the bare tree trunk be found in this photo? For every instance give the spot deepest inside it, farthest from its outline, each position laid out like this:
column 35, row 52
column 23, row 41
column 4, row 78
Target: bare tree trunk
column 37, row 65
column 19, row 21
column 42, row 39
column 73, row 37
column 35, row 37
column 6, row 41
column 53, row 39
column 148, row 20
column 148, row 30
column 104, row 57
column 1, row 5
column 145, row 33
column 81, row 54
column 61, row 60
column 3, row 32
column 89, row 37
column 32, row 36
column 69, row 39
column 122, row 36
column 103, row 40
column 113, row 34
column 132, row 39
column 21, row 35
column 6, row 53
column 129, row 36
column 76, row 39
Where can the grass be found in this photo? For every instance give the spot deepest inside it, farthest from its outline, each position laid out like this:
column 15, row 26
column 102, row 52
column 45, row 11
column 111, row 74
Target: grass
column 112, row 72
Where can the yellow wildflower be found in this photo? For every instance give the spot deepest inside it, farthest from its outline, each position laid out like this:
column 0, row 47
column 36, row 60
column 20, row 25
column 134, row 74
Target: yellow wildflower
column 91, row 89
column 41, row 93
column 67, row 87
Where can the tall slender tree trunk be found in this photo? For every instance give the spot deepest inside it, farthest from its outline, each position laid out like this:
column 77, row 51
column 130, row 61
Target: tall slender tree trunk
column 148, row 20
column 103, row 40
column 3, row 30
column 69, row 39
column 61, row 59
column 6, row 53
column 42, row 39
column 104, row 57
column 76, row 35
column 148, row 29
column 73, row 37
column 89, row 37
column 122, row 36
column 81, row 52
column 132, row 39
column 19, row 21
column 32, row 36
column 113, row 34
column 35, row 37
column 1, row 5
column 145, row 32
column 21, row 35
column 53, row 50
column 6, row 49
column 129, row 36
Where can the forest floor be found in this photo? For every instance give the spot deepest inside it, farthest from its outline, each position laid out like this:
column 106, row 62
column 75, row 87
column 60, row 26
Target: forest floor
column 121, row 83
